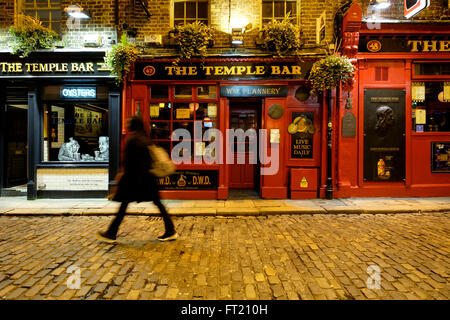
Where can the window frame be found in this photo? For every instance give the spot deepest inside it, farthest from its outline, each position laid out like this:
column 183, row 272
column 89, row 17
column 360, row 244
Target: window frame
column 51, row 6
column 294, row 17
column 184, row 19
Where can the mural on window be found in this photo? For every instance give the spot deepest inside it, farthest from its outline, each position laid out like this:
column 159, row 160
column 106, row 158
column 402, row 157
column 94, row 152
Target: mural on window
column 75, row 132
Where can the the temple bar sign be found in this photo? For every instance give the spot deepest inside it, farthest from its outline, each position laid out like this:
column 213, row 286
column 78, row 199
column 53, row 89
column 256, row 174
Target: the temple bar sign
column 222, row 70
column 27, row 68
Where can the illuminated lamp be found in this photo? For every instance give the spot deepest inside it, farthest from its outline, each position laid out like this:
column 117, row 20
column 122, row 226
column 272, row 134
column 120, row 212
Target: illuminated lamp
column 76, row 12
column 380, row 4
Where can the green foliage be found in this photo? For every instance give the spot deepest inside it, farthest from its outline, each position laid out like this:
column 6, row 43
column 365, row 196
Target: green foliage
column 121, row 57
column 282, row 37
column 192, row 39
column 328, row 72
column 30, row 35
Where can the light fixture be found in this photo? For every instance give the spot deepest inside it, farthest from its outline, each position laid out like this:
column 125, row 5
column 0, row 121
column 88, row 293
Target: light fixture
column 237, row 36
column 380, row 4
column 76, row 12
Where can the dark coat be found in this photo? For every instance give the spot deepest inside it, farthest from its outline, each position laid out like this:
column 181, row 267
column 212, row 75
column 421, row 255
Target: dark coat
column 137, row 183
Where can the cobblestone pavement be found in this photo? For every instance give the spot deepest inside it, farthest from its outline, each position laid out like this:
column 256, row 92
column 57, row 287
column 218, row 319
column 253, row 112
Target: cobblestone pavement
column 242, row 257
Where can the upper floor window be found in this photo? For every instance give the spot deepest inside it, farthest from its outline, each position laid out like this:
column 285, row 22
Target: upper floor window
column 277, row 10
column 48, row 11
column 190, row 11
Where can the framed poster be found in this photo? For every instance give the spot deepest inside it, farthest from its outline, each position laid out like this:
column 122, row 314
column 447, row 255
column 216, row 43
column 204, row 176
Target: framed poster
column 440, row 157
column 302, row 131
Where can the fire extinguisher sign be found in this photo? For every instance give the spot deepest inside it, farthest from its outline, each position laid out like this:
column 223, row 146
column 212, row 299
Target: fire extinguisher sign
column 413, row 7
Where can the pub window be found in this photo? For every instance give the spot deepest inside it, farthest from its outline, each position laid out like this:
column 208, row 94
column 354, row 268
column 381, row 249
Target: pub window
column 48, row 11
column 190, row 11
column 75, row 129
column 184, row 106
column 430, row 106
column 277, row 10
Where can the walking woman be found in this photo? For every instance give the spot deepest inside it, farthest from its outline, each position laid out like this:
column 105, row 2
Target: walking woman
column 137, row 183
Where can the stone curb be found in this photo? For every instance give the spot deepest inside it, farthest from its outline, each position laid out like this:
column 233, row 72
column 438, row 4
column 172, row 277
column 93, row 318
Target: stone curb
column 227, row 211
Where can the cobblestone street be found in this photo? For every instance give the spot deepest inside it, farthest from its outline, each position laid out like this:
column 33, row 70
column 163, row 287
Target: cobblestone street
column 242, row 257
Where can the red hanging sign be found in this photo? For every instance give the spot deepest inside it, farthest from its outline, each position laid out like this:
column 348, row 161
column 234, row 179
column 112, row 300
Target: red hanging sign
column 413, row 7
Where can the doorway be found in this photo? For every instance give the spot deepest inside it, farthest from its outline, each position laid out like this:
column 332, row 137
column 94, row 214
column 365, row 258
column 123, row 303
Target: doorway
column 245, row 115
column 15, row 145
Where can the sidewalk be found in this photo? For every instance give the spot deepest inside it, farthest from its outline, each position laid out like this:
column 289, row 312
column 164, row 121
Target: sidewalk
column 18, row 206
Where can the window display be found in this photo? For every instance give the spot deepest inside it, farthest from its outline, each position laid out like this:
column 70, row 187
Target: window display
column 430, row 107
column 75, row 132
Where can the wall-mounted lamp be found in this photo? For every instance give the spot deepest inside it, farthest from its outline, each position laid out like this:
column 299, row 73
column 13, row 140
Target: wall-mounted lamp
column 237, row 36
column 77, row 12
column 380, row 4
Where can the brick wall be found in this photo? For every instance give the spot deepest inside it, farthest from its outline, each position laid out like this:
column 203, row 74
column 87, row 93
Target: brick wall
column 105, row 24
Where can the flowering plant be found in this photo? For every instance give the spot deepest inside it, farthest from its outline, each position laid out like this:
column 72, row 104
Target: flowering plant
column 121, row 57
column 328, row 72
column 282, row 37
column 192, row 39
column 29, row 35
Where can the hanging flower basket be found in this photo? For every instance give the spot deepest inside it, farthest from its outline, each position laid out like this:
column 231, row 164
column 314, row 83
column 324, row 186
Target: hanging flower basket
column 281, row 37
column 192, row 40
column 30, row 35
column 329, row 72
column 121, row 57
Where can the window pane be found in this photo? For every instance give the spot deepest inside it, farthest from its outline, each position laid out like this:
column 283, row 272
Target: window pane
column 203, row 10
column 44, row 15
column 191, row 10
column 279, row 9
column 267, row 10
column 206, row 92
column 178, row 22
column 160, row 130
column 183, row 92
column 206, row 111
column 159, row 111
column 164, row 145
column 292, row 8
column 56, row 15
column 183, row 111
column 179, row 10
column 30, row 13
column 266, row 21
column 187, row 125
column 56, row 26
column 42, row 3
column 159, row 92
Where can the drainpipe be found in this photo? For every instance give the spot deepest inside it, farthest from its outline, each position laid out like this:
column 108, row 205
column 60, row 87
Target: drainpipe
column 329, row 187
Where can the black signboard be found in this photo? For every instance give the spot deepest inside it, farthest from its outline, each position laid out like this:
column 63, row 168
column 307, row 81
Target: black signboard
column 384, row 134
column 302, row 131
column 403, row 44
column 440, row 156
column 222, row 70
column 190, row 180
column 253, row 91
column 59, row 66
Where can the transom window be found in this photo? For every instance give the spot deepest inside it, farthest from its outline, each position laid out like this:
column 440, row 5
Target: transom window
column 48, row 11
column 190, row 11
column 277, row 10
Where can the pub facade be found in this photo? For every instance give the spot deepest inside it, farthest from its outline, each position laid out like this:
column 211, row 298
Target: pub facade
column 254, row 118
column 393, row 133
column 59, row 124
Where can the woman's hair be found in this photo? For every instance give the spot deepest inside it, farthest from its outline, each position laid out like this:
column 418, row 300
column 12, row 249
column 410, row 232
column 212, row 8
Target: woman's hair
column 136, row 124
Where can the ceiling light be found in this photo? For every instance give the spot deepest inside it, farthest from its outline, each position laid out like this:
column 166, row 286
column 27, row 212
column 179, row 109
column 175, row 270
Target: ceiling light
column 76, row 12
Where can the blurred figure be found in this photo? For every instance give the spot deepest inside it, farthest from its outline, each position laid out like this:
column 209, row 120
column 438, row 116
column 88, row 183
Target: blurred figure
column 137, row 183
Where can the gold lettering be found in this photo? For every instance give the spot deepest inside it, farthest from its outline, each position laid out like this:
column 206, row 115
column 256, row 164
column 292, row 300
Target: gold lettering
column 415, row 44
column 65, row 67
column 208, row 70
column 276, row 70
column 429, row 45
column 218, row 70
column 74, row 67
column 192, row 71
column 169, row 70
column 35, row 67
column 229, row 71
column 296, row 70
column 249, row 70
column 259, row 69
column 444, row 46
column 286, row 70
column 90, row 67
column 241, row 70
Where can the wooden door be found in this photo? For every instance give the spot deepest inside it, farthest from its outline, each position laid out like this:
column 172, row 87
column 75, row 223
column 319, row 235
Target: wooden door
column 243, row 116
